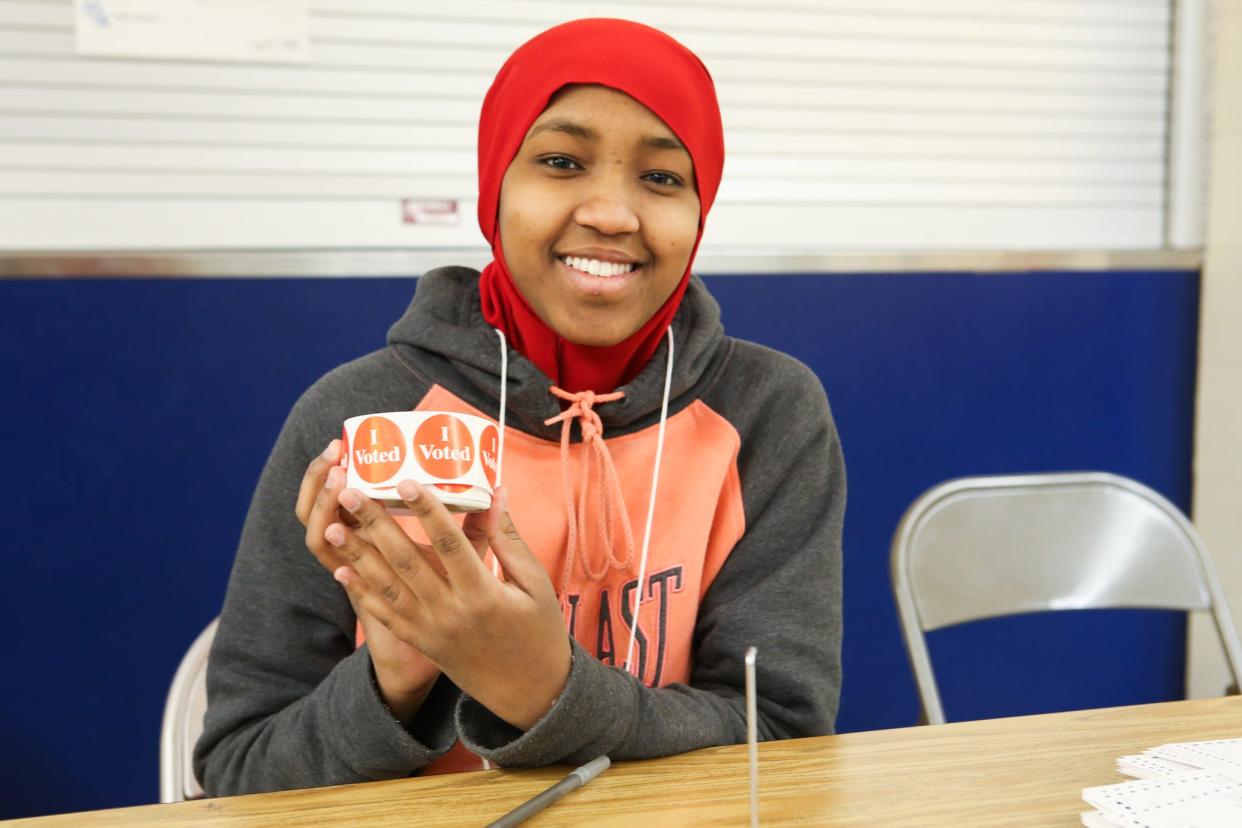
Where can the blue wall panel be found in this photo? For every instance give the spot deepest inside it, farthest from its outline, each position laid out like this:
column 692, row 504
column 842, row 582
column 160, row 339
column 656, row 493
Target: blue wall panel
column 139, row 413
column 939, row 376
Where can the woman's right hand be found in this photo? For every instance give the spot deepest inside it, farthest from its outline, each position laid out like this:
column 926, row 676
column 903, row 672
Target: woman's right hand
column 404, row 674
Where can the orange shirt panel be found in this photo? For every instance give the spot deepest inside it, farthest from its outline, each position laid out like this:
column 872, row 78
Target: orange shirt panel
column 697, row 521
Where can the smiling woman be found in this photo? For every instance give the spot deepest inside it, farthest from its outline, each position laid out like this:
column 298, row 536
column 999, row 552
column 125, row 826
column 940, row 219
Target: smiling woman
column 356, row 645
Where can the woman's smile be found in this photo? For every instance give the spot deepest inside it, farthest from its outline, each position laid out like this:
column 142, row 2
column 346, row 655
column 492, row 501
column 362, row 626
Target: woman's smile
column 601, row 273
column 598, row 284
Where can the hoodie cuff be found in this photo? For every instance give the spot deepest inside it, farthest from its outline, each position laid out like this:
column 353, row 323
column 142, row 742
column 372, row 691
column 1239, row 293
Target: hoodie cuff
column 375, row 744
column 583, row 714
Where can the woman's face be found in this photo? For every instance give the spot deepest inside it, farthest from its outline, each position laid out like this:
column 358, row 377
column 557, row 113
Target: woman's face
column 598, row 215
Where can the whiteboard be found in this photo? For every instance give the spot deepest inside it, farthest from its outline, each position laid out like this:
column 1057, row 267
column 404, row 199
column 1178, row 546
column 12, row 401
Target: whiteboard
column 849, row 125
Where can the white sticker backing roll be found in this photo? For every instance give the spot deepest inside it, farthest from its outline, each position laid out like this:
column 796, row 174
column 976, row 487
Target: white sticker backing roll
column 454, row 455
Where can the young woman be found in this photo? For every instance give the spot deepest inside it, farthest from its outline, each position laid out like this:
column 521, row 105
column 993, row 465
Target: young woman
column 672, row 496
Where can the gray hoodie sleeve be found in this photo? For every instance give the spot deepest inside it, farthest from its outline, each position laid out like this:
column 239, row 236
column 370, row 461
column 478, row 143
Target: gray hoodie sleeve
column 292, row 704
column 779, row 590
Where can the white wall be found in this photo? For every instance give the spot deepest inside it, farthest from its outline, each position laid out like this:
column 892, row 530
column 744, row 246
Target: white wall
column 1218, row 428
column 878, row 125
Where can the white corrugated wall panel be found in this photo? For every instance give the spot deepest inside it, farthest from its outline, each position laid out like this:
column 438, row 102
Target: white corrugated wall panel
column 886, row 124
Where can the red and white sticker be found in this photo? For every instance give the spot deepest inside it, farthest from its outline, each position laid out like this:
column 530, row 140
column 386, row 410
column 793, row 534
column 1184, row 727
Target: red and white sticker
column 378, row 449
column 455, row 453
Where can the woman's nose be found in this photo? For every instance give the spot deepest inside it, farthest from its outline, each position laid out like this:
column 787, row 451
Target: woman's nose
column 608, row 213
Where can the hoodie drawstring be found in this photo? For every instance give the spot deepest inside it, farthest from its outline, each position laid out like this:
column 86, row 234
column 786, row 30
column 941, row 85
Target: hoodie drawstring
column 500, row 449
column 651, row 502
column 612, row 501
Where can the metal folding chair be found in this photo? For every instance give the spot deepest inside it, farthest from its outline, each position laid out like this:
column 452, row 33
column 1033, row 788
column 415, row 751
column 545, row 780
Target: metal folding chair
column 183, row 721
column 983, row 547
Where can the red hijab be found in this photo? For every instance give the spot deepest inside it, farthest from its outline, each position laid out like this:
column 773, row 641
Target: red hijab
column 654, row 70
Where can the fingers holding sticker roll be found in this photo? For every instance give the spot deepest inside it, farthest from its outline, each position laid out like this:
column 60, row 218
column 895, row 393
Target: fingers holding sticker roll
column 314, row 478
column 325, row 511
column 386, row 603
column 457, row 552
column 366, row 562
column 402, row 554
column 515, row 556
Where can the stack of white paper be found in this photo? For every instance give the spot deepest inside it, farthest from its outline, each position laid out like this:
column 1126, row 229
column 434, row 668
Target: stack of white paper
column 1182, row 785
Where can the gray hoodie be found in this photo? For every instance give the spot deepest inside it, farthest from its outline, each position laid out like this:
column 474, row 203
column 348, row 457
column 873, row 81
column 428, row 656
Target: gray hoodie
column 745, row 550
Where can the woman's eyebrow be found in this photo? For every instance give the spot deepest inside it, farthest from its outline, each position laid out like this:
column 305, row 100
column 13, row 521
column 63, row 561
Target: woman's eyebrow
column 568, row 127
column 665, row 142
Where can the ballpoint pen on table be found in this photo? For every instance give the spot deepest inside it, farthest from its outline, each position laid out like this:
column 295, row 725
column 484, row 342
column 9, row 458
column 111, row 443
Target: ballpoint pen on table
column 576, row 779
column 580, row 776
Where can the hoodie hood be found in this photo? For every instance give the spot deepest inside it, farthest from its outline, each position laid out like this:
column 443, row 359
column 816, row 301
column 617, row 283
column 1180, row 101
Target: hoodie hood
column 445, row 320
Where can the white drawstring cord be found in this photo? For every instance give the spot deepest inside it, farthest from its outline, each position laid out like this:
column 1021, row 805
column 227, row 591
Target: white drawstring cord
column 504, row 395
column 500, row 449
column 655, row 483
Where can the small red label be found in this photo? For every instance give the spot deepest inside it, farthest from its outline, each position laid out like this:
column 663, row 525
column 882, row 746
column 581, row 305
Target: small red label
column 442, row 212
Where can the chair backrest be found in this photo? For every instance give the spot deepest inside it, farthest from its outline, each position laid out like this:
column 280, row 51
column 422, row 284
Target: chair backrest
column 982, row 547
column 183, row 721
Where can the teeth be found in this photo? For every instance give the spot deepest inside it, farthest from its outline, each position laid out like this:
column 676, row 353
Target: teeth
column 595, row 267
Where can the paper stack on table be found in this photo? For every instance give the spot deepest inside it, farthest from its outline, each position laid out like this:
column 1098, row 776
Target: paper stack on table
column 1182, row 785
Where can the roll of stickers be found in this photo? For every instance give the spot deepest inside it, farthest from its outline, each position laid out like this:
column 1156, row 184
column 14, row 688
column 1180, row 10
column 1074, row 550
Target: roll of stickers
column 453, row 455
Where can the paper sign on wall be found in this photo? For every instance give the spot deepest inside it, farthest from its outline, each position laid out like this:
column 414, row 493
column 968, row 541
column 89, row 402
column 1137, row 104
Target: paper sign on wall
column 269, row 31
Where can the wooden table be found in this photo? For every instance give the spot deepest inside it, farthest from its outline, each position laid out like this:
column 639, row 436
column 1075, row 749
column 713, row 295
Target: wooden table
column 1021, row 771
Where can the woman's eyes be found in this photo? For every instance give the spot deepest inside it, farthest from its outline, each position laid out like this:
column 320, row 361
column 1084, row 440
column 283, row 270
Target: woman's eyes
column 560, row 162
column 563, row 163
column 663, row 179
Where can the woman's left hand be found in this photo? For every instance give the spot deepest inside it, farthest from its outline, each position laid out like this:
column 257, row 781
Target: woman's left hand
column 502, row 642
